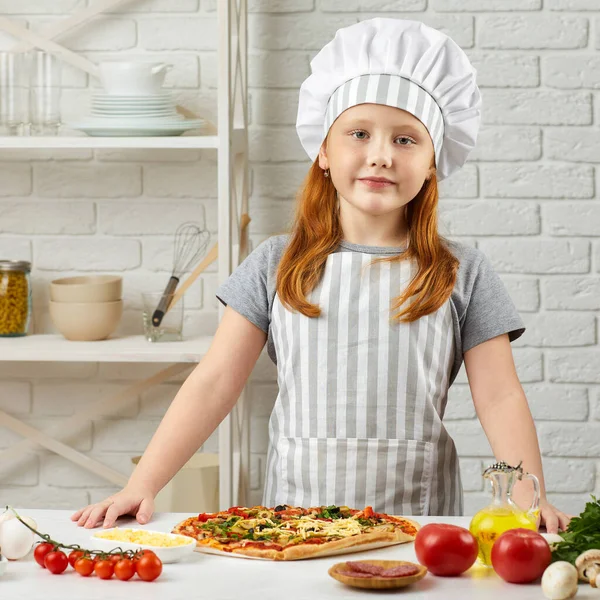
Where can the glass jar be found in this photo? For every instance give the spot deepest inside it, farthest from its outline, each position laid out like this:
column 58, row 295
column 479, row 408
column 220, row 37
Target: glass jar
column 15, row 297
column 503, row 513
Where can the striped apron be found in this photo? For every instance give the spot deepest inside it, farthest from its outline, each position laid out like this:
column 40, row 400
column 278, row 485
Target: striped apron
column 358, row 417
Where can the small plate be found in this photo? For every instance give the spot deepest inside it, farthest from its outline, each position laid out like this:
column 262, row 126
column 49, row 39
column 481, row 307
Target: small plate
column 109, row 127
column 133, row 104
column 142, row 97
column 166, row 554
column 375, row 582
column 134, row 118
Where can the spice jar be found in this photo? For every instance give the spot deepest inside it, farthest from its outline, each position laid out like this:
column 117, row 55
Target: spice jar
column 15, row 297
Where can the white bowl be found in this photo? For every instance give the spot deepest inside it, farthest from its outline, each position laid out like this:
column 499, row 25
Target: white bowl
column 124, row 77
column 4, row 565
column 166, row 555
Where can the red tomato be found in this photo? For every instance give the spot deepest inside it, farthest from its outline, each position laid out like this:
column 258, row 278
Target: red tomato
column 203, row 517
column 40, row 552
column 446, row 550
column 104, row 569
column 140, row 553
column 84, row 566
column 73, row 556
column 115, row 558
column 125, row 569
column 520, row 555
column 56, row 561
column 148, row 567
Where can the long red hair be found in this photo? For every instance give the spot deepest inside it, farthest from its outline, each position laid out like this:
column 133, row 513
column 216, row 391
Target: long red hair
column 316, row 232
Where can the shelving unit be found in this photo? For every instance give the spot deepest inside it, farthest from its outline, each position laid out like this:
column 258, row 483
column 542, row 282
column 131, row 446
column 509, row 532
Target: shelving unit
column 135, row 348
column 187, row 141
column 236, row 142
column 230, row 140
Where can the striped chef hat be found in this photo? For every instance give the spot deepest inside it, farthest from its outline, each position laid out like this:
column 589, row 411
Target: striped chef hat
column 399, row 63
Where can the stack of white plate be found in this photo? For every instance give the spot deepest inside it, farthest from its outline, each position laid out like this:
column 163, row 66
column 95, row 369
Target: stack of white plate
column 148, row 115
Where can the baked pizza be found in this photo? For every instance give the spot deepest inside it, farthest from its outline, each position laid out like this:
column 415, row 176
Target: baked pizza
column 294, row 533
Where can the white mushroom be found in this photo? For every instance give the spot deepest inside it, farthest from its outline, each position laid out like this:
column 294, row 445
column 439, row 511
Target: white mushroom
column 553, row 539
column 588, row 565
column 559, row 581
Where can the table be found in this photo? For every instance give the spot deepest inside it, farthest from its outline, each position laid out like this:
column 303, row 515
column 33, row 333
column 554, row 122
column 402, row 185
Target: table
column 212, row 577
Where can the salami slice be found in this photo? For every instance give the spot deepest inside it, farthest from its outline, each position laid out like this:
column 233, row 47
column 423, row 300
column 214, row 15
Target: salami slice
column 349, row 573
column 400, row 571
column 364, row 567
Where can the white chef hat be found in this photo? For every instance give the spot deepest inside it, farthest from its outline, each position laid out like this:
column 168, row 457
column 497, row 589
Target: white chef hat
column 399, row 63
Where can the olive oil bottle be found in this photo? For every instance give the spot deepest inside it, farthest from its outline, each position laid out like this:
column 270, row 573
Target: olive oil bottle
column 503, row 514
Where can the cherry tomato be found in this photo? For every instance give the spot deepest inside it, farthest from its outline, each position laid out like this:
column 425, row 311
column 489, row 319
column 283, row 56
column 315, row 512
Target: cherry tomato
column 84, row 566
column 205, row 517
column 104, row 569
column 56, row 561
column 73, row 556
column 149, row 567
column 115, row 558
column 446, row 550
column 40, row 552
column 125, row 569
column 520, row 555
column 144, row 552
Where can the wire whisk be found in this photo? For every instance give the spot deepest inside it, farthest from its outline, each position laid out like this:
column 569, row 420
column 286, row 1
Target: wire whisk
column 190, row 242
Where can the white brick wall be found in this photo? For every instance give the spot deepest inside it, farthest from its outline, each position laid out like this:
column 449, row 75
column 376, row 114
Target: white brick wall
column 529, row 198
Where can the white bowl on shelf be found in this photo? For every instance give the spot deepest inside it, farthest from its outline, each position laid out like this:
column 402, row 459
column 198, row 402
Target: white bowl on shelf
column 121, row 77
column 166, row 554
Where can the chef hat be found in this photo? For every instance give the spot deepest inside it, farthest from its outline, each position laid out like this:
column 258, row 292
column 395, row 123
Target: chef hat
column 399, row 63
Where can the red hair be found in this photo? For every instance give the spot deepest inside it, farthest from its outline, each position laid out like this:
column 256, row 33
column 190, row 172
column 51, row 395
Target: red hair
column 316, row 233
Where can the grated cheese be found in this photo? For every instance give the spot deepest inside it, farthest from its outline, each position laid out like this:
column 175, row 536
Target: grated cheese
column 304, row 526
column 140, row 536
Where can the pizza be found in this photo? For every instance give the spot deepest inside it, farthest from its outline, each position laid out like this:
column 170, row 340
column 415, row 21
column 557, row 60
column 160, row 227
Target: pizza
column 294, row 533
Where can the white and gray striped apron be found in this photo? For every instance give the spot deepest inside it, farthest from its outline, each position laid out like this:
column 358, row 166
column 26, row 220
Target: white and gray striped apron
column 358, row 417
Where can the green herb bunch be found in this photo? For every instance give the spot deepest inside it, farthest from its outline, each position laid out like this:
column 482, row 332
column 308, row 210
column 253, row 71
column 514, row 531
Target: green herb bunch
column 583, row 533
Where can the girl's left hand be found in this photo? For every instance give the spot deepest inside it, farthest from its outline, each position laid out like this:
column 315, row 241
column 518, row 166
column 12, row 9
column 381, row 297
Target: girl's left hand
column 553, row 518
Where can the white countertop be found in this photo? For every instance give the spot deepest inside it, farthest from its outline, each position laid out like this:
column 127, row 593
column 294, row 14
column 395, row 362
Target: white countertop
column 222, row 578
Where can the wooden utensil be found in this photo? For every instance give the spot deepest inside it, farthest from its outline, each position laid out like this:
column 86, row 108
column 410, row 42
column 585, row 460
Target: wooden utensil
column 376, row 582
column 210, row 257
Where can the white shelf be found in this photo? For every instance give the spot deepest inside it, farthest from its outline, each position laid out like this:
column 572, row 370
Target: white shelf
column 124, row 349
column 83, row 141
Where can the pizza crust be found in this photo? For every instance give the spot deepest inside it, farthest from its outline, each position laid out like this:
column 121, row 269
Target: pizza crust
column 302, row 551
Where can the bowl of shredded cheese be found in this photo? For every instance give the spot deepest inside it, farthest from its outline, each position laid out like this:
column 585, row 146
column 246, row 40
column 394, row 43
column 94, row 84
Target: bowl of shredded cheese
column 169, row 547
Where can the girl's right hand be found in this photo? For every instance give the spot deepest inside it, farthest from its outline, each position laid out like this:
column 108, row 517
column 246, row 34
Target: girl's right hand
column 135, row 502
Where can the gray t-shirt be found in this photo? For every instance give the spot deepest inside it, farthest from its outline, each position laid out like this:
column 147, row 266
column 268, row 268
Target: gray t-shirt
column 480, row 304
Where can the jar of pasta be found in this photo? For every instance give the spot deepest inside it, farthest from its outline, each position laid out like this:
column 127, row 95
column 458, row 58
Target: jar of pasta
column 15, row 297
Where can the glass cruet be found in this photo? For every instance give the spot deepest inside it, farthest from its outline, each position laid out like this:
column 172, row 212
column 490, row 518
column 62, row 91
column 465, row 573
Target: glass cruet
column 502, row 513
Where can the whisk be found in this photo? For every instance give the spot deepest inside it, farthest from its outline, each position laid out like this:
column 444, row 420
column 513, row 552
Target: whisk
column 190, row 243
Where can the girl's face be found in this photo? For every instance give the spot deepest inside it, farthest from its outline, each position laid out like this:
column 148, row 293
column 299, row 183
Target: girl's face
column 377, row 141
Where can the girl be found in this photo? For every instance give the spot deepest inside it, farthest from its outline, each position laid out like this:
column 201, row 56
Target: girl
column 366, row 310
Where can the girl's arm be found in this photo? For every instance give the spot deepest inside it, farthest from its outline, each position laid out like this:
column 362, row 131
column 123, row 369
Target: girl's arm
column 204, row 400
column 504, row 414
